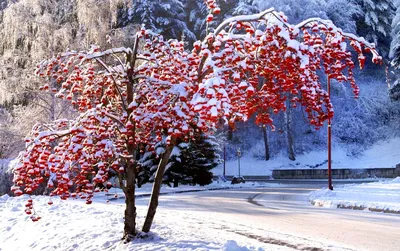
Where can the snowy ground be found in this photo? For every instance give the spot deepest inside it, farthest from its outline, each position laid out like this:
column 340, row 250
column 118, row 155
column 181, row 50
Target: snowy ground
column 382, row 155
column 377, row 196
column 73, row 225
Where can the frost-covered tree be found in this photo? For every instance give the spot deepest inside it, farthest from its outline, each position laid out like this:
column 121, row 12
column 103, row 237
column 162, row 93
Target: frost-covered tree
column 33, row 30
column 376, row 25
column 29, row 31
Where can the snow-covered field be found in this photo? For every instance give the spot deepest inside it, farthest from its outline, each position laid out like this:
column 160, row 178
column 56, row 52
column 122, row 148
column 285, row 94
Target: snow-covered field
column 376, row 196
column 73, row 225
column 382, row 155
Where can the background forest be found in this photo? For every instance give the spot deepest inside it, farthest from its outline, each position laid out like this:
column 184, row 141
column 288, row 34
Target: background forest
column 32, row 30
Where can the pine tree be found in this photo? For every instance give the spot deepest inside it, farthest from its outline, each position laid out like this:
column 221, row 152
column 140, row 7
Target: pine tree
column 296, row 10
column 190, row 163
column 394, row 91
column 395, row 45
column 344, row 13
column 246, row 7
column 166, row 17
column 196, row 17
column 376, row 25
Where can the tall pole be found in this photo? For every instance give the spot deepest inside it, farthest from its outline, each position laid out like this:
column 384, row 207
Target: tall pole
column 239, row 154
column 224, row 173
column 239, row 166
column 329, row 141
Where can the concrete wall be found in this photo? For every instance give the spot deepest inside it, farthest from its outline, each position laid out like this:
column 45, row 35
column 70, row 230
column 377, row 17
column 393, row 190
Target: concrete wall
column 337, row 173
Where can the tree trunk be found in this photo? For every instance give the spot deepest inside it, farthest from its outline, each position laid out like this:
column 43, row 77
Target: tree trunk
column 230, row 133
column 289, row 132
column 265, row 136
column 130, row 210
column 155, row 193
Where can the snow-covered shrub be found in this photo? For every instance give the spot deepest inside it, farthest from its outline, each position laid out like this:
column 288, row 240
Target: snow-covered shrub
column 5, row 177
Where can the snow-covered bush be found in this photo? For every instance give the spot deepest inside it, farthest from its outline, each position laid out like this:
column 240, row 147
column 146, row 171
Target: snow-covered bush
column 5, row 177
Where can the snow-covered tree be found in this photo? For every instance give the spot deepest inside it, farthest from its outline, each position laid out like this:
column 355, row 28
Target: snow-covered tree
column 295, row 10
column 127, row 97
column 190, row 162
column 165, row 17
column 376, row 26
column 196, row 13
column 344, row 14
column 395, row 45
column 246, row 7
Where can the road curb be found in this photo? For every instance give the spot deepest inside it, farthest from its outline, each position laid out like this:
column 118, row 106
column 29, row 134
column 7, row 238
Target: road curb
column 176, row 192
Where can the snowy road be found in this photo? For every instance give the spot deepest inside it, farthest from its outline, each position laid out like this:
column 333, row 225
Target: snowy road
column 283, row 216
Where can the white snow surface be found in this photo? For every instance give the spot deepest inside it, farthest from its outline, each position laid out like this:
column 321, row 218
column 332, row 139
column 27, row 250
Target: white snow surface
column 382, row 155
column 73, row 225
column 382, row 196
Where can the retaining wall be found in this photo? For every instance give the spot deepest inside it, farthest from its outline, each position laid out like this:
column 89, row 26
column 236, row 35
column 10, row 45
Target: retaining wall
column 337, row 173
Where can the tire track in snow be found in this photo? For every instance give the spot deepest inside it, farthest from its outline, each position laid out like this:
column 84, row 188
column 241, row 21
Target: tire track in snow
column 252, row 200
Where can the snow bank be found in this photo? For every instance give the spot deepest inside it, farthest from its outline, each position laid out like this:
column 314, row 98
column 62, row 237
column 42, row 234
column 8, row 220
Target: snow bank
column 381, row 196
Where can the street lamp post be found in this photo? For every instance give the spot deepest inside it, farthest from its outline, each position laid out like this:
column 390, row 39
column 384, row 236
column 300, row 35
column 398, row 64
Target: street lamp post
column 329, row 142
column 239, row 154
column 224, row 173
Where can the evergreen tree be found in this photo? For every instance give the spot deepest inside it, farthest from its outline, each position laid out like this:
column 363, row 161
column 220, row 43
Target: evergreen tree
column 344, row 13
column 296, row 10
column 167, row 17
column 196, row 13
column 394, row 91
column 395, row 45
column 246, row 7
column 376, row 26
column 189, row 164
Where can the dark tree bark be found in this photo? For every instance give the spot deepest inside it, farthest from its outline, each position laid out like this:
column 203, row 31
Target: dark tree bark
column 230, row 133
column 155, row 193
column 265, row 137
column 130, row 210
column 130, row 166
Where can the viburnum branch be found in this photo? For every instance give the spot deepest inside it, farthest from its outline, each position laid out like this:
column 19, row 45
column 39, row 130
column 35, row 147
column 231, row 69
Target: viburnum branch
column 245, row 18
column 115, row 82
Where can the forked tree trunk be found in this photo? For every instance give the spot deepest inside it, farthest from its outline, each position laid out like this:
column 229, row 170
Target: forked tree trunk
column 155, row 193
column 265, row 136
column 130, row 210
column 129, row 188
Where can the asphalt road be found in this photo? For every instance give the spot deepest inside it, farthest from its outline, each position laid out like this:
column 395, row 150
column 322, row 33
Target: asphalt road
column 283, row 216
